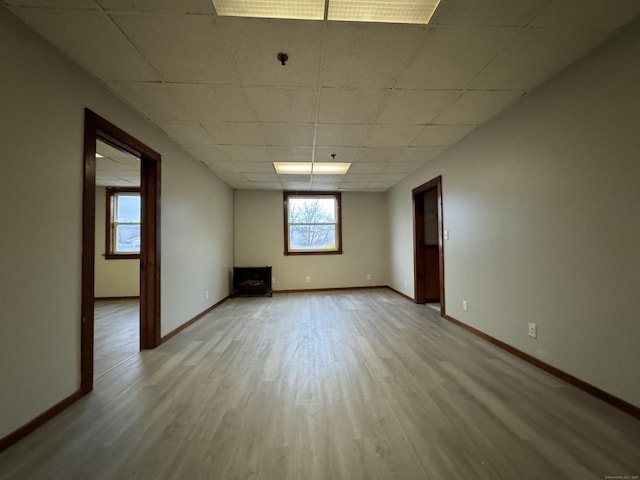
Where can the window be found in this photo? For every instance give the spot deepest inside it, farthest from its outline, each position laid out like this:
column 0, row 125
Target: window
column 123, row 223
column 312, row 223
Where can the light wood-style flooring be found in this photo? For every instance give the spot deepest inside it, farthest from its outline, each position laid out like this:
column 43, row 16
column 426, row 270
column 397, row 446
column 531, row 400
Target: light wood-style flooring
column 116, row 333
column 329, row 385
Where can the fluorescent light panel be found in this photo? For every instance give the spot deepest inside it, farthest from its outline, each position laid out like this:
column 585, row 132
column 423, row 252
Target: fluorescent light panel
column 389, row 11
column 308, row 168
column 299, row 9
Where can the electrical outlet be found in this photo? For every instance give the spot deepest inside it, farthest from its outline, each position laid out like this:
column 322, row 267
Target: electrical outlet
column 308, row 279
column 465, row 305
column 206, row 294
column 368, row 276
column 273, row 280
column 533, row 330
column 406, row 283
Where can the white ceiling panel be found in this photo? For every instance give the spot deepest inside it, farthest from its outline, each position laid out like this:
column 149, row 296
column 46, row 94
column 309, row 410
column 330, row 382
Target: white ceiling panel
column 159, row 6
column 283, row 104
column 353, row 186
column 296, row 186
column 451, row 56
column 255, row 44
column 267, row 153
column 91, row 40
column 367, row 55
column 379, row 154
column 343, row 154
column 262, row 177
column 235, row 133
column 403, row 167
column 74, row 4
column 477, row 106
column 206, row 152
column 292, row 134
column 153, row 99
column 441, row 135
column 536, row 55
column 341, row 135
column 368, row 167
column 498, row 13
column 214, row 102
column 255, row 167
column 420, row 154
column 415, row 106
column 392, row 135
column 182, row 48
column 588, row 13
column 267, row 185
column 350, row 105
column 185, row 131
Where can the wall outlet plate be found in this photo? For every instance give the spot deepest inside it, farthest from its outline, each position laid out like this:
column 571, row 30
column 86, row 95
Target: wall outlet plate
column 533, row 330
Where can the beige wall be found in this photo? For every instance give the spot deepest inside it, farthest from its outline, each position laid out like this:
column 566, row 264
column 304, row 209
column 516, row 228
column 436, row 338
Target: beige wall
column 543, row 209
column 43, row 97
column 259, row 240
column 113, row 278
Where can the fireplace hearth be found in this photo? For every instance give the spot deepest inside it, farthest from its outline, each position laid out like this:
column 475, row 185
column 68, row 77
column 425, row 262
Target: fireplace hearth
column 251, row 281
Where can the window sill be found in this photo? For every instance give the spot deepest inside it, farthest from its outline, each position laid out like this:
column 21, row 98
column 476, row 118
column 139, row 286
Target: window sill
column 121, row 256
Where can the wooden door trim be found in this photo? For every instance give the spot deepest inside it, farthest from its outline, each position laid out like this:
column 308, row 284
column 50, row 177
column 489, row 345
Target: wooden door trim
column 418, row 240
column 97, row 127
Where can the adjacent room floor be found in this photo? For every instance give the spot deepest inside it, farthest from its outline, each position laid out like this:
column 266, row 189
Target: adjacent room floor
column 116, row 333
column 330, row 385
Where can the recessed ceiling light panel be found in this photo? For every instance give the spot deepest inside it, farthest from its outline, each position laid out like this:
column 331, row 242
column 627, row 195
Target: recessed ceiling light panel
column 307, row 168
column 330, row 168
column 292, row 168
column 390, row 11
column 299, row 9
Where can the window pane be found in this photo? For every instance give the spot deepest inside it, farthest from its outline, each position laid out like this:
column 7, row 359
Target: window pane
column 312, row 210
column 128, row 238
column 312, row 237
column 128, row 209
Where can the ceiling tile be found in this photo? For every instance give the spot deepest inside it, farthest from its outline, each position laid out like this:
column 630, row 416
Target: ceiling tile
column 379, row 154
column 451, row 56
column 327, row 180
column 367, row 55
column 91, row 40
column 182, row 48
column 214, row 102
column 477, row 106
column 153, row 99
column 415, row 106
column 368, row 167
column 235, row 133
column 403, row 167
column 256, row 42
column 160, row 6
column 608, row 14
column 420, row 154
column 497, row 13
column 293, row 134
column 297, row 186
column 343, row 154
column 185, row 131
column 536, row 55
column 231, row 177
column 349, row 105
column 254, row 167
column 283, row 104
column 439, row 135
column 59, row 4
column 341, row 135
column 288, row 179
column 267, row 153
column 222, row 167
column 392, row 135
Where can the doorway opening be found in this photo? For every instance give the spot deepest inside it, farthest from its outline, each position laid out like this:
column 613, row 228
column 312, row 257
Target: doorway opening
column 98, row 131
column 428, row 245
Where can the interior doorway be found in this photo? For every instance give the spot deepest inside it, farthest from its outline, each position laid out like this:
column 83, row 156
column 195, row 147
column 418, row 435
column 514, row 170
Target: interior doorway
column 97, row 129
column 428, row 245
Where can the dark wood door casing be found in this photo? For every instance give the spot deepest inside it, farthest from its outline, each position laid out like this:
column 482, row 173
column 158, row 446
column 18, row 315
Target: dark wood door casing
column 96, row 127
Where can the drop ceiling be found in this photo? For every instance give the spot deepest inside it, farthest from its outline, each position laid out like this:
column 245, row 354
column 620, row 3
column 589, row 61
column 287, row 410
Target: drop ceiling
column 386, row 97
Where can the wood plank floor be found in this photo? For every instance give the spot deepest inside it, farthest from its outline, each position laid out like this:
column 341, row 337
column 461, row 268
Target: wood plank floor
column 116, row 333
column 334, row 385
